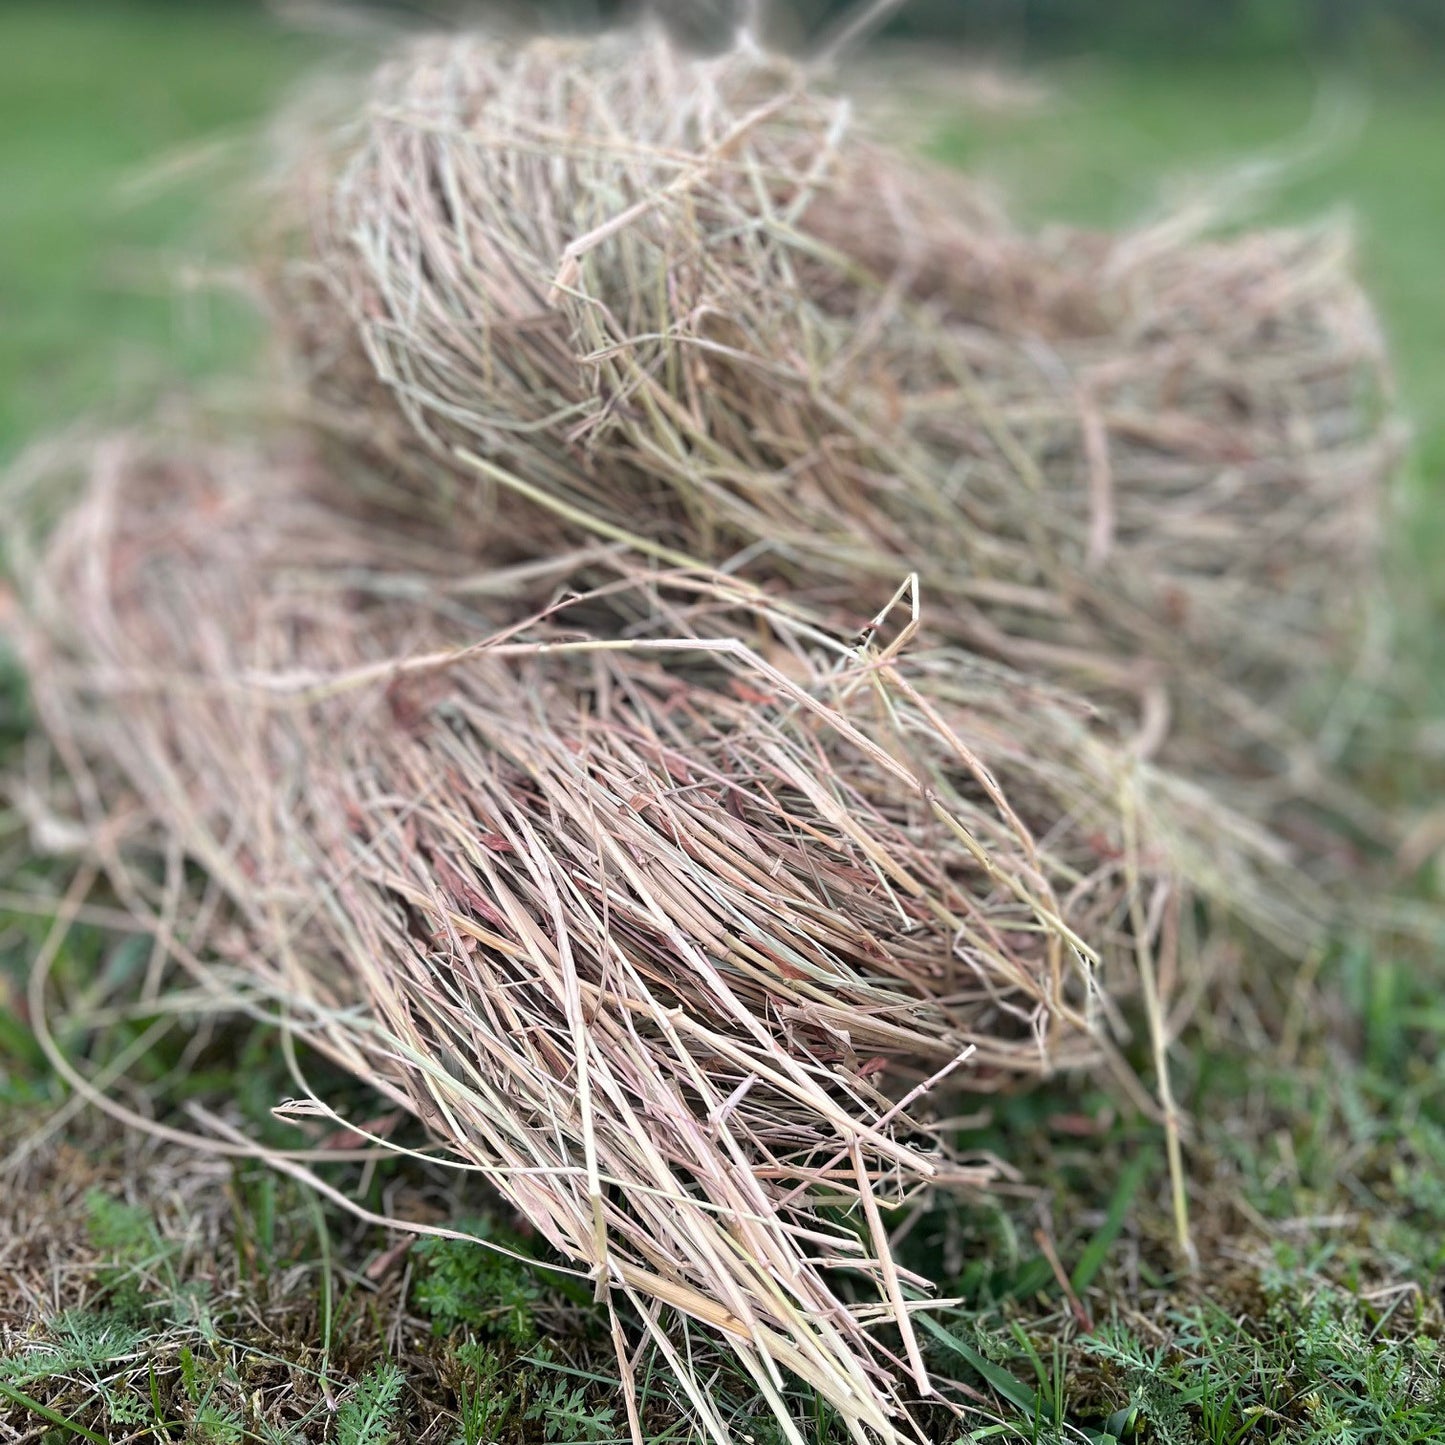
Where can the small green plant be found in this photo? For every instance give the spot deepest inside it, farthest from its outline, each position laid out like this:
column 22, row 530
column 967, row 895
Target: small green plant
column 486, row 1397
column 368, row 1417
column 218, row 1427
column 567, row 1416
column 133, row 1250
column 76, row 1342
column 468, row 1286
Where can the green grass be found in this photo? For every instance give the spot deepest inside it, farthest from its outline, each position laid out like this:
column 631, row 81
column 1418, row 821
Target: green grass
column 97, row 309
column 216, row 1302
column 1098, row 152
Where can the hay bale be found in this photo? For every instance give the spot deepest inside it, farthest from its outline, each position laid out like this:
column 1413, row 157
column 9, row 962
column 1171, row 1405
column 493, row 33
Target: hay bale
column 663, row 933
column 680, row 300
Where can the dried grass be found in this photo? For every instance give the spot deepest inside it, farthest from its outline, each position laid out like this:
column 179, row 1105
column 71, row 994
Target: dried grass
column 682, row 301
column 663, row 895
column 665, row 931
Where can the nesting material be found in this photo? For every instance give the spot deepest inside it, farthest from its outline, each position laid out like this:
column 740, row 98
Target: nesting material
column 664, row 931
column 640, row 932
column 615, row 291
column 588, row 825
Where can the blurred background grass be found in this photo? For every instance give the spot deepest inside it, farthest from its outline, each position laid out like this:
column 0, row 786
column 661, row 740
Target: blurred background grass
column 95, row 308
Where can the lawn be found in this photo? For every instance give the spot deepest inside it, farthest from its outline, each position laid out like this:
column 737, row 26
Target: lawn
column 147, row 1295
column 113, row 120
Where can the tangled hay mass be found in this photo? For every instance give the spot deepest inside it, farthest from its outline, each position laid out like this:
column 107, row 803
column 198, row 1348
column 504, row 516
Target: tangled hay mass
column 665, row 934
column 627, row 722
column 681, row 301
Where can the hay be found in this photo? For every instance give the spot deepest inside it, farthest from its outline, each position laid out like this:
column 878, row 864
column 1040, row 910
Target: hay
column 665, row 934
column 662, row 895
column 681, row 301
column 632, row 946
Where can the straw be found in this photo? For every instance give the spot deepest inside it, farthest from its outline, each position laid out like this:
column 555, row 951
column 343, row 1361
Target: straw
column 684, row 301
column 668, row 931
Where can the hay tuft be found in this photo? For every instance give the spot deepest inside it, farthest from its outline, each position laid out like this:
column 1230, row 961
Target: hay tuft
column 666, row 931
column 682, row 301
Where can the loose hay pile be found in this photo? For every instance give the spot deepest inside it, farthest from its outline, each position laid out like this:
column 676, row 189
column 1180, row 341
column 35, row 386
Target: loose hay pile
column 663, row 934
column 662, row 895
column 681, row 301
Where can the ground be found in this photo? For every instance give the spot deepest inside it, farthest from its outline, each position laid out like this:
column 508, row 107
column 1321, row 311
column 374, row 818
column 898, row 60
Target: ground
column 149, row 1295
